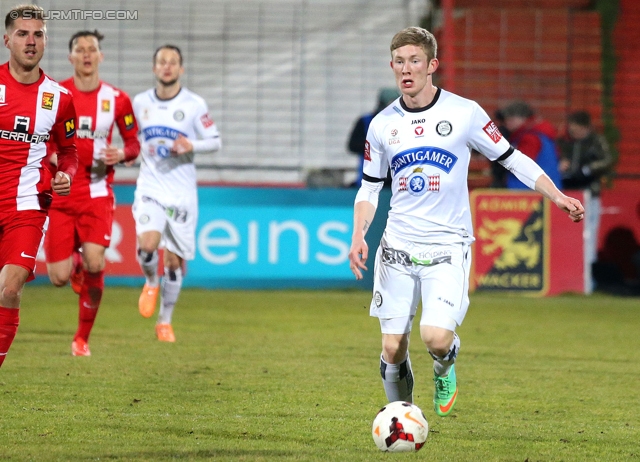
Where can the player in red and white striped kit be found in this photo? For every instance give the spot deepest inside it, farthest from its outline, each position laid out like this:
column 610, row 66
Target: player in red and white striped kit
column 84, row 218
column 33, row 110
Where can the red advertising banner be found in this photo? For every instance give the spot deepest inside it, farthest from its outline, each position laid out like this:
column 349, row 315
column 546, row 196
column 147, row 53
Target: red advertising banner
column 525, row 244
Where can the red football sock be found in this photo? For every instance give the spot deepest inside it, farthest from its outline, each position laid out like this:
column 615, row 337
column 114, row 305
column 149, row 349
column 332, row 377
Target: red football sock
column 9, row 320
column 89, row 302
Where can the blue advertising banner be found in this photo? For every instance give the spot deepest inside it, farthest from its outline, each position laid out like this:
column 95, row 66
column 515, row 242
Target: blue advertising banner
column 259, row 238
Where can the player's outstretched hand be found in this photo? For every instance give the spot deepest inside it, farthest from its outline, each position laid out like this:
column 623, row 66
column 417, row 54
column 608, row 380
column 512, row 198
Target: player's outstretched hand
column 61, row 184
column 111, row 155
column 573, row 207
column 358, row 257
column 181, row 146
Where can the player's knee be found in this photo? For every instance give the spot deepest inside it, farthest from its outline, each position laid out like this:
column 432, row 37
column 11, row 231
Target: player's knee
column 11, row 295
column 394, row 349
column 437, row 341
column 95, row 265
column 146, row 253
column 58, row 280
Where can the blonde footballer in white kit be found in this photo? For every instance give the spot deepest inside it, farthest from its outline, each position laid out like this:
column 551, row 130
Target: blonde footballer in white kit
column 174, row 125
column 425, row 138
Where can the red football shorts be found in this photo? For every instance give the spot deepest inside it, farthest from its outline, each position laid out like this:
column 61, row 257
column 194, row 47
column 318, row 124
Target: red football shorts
column 21, row 234
column 70, row 227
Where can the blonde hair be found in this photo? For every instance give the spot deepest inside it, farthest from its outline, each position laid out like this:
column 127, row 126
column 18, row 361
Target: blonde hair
column 24, row 12
column 416, row 36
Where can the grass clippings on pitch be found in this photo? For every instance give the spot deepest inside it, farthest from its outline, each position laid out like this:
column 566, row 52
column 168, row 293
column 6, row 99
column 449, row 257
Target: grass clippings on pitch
column 293, row 375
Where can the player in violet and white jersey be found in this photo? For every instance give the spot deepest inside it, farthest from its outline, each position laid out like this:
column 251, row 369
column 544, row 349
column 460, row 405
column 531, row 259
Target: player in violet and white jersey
column 425, row 138
column 174, row 125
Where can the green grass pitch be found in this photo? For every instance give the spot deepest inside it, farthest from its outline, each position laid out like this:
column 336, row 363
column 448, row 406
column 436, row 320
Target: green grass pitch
column 293, row 375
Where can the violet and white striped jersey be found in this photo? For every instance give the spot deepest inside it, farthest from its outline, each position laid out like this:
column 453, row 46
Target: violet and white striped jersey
column 428, row 151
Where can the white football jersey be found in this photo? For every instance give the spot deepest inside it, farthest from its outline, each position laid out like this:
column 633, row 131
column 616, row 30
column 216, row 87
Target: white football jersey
column 428, row 151
column 170, row 178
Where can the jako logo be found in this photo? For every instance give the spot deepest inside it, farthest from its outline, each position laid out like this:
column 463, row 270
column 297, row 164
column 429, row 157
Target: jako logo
column 417, row 121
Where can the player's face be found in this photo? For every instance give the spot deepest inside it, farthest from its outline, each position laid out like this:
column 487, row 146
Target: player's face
column 85, row 55
column 167, row 67
column 26, row 41
column 412, row 69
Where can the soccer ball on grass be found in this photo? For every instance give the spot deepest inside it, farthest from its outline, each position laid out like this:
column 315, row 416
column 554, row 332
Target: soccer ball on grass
column 400, row 427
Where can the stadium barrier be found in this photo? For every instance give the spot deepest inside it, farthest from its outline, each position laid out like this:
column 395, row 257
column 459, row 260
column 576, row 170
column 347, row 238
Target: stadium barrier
column 275, row 238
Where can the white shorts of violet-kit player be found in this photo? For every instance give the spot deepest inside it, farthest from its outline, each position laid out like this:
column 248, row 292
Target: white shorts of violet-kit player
column 407, row 273
column 176, row 223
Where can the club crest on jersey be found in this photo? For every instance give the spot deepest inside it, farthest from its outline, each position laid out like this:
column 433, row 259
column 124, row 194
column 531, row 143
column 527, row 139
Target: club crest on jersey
column 418, row 183
column 105, row 105
column 493, row 131
column 423, row 155
column 444, row 128
column 47, row 100
column 178, row 115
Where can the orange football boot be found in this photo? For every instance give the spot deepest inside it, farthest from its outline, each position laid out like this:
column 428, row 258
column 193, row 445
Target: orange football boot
column 147, row 300
column 80, row 347
column 164, row 332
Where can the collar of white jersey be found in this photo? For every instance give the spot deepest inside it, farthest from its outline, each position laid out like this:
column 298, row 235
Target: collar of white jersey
column 421, row 109
column 162, row 100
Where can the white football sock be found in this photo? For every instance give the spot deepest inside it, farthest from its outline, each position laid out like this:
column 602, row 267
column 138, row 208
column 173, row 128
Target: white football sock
column 442, row 365
column 397, row 380
column 171, row 285
column 149, row 264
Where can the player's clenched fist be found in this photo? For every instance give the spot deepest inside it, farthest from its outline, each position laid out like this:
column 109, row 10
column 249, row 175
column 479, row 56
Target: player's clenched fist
column 61, row 184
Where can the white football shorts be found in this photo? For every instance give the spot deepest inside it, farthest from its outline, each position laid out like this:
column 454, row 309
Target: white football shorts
column 407, row 273
column 177, row 224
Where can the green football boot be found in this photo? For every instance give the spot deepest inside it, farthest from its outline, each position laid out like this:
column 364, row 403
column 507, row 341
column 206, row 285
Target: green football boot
column 446, row 393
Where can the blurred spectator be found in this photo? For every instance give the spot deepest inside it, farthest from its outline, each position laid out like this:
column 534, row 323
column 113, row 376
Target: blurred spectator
column 533, row 136
column 359, row 132
column 585, row 161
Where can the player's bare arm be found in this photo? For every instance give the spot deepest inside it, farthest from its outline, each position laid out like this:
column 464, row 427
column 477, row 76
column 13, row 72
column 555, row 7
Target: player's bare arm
column 570, row 205
column 359, row 253
column 61, row 184
column 112, row 155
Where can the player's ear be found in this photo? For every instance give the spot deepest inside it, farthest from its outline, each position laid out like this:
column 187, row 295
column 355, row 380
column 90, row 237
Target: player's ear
column 433, row 65
column 101, row 57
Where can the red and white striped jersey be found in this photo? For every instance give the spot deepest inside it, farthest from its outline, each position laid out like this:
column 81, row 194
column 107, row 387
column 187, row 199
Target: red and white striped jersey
column 31, row 115
column 97, row 112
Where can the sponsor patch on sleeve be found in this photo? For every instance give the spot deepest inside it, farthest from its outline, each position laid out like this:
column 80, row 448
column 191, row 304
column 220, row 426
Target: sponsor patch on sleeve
column 69, row 128
column 493, row 131
column 206, row 121
column 128, row 121
column 367, row 151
